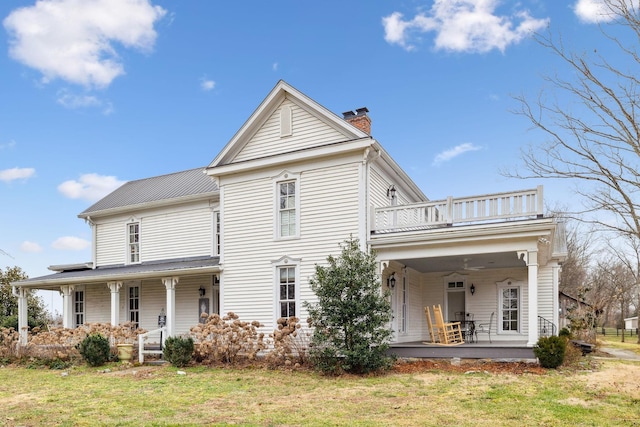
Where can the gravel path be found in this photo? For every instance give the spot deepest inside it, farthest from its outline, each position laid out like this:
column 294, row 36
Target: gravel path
column 620, row 354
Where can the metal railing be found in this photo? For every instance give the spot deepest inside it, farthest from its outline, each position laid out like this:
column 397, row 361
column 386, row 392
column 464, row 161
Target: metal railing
column 524, row 204
column 546, row 328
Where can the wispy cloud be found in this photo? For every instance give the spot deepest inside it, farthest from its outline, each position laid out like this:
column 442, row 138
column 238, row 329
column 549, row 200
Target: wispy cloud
column 592, row 11
column 274, row 66
column 30, row 247
column 9, row 175
column 462, row 26
column 207, row 84
column 70, row 243
column 73, row 101
column 456, row 151
column 90, row 187
column 8, row 145
column 76, row 40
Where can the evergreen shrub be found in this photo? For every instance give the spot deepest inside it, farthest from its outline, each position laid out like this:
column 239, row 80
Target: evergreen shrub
column 95, row 349
column 550, row 351
column 178, row 351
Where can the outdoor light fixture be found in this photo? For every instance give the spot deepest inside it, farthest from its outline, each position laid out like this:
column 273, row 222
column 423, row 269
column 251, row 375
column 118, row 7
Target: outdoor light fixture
column 391, row 280
column 472, row 289
column 202, row 291
column 216, row 279
column 391, row 192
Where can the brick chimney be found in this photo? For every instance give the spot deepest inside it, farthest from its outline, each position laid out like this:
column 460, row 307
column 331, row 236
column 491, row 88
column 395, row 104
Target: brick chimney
column 359, row 119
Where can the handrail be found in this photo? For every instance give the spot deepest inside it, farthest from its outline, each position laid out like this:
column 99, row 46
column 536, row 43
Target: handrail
column 143, row 337
column 546, row 327
column 483, row 208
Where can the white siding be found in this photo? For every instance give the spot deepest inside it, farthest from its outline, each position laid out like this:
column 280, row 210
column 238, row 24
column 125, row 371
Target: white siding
column 545, row 293
column 328, row 216
column 169, row 233
column 307, row 131
column 97, row 303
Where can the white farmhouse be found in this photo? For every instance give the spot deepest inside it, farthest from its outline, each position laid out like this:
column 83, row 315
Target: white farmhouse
column 244, row 234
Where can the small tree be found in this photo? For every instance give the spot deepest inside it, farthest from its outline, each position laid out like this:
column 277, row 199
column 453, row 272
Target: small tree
column 37, row 313
column 351, row 316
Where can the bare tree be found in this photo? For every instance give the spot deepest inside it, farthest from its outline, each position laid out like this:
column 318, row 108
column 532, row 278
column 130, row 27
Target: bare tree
column 594, row 138
column 575, row 268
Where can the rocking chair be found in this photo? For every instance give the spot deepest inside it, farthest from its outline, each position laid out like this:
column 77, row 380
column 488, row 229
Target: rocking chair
column 448, row 333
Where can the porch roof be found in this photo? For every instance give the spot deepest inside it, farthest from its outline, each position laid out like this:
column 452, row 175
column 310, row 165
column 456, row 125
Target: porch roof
column 183, row 266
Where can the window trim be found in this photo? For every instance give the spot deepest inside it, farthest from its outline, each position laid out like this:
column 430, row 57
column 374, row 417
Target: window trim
column 286, row 177
column 128, row 244
column 83, row 303
column 217, row 233
column 139, row 298
column 285, row 262
column 502, row 286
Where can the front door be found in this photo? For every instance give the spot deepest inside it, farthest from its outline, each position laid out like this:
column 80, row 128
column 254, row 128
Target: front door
column 455, row 304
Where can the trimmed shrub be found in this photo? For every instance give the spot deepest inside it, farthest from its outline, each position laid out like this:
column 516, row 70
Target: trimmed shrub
column 95, row 349
column 178, row 351
column 550, row 351
column 565, row 333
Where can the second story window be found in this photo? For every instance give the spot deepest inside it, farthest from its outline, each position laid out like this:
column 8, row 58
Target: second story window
column 287, row 214
column 216, row 233
column 133, row 245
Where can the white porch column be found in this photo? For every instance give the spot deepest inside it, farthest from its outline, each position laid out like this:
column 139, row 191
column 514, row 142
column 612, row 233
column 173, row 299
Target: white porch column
column 23, row 317
column 170, row 283
column 114, row 287
column 67, row 305
column 531, row 259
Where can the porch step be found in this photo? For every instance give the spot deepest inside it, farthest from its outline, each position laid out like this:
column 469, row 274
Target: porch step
column 465, row 351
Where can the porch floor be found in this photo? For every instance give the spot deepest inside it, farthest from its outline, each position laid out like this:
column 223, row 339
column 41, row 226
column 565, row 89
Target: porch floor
column 498, row 351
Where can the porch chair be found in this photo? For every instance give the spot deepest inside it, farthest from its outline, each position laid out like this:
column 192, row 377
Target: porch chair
column 449, row 333
column 485, row 328
column 432, row 332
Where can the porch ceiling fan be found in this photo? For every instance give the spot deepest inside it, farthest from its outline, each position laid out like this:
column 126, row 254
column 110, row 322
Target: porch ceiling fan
column 467, row 267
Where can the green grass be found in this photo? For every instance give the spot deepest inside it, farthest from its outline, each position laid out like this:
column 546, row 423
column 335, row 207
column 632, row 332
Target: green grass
column 610, row 339
column 158, row 396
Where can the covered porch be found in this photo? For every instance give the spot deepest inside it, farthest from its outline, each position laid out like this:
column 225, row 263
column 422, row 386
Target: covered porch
column 507, row 351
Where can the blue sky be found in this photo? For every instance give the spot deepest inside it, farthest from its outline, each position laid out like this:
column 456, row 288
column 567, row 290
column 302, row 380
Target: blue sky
column 94, row 93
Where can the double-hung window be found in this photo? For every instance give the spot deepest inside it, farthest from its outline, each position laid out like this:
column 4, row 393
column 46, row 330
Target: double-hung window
column 216, row 233
column 133, row 242
column 78, row 308
column 509, row 317
column 134, row 305
column 287, row 220
column 287, row 291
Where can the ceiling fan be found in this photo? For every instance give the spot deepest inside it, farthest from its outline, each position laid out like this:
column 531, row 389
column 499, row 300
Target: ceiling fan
column 465, row 266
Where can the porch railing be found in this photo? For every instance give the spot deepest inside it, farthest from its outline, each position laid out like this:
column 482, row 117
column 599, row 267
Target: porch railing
column 524, row 204
column 142, row 338
column 546, row 328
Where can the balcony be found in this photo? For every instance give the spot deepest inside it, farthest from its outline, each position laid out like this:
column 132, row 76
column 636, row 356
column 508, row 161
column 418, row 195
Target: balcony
column 498, row 207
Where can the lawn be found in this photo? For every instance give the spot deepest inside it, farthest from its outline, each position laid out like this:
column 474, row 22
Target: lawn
column 613, row 339
column 471, row 396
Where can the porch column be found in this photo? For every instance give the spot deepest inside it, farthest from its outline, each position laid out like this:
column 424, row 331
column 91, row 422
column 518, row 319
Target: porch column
column 531, row 258
column 114, row 287
column 170, row 283
column 23, row 318
column 67, row 305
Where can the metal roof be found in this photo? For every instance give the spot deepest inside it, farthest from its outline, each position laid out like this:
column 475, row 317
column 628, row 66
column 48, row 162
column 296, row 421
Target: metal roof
column 183, row 266
column 176, row 185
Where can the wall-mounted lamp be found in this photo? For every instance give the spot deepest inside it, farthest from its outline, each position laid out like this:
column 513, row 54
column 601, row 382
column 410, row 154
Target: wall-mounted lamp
column 472, row 289
column 391, row 281
column 391, row 191
column 216, row 279
column 202, row 291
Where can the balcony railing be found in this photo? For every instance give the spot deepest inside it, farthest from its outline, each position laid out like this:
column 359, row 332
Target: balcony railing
column 525, row 204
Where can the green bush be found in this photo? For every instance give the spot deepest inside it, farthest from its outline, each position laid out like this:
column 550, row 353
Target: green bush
column 95, row 349
column 178, row 350
column 550, row 351
column 565, row 333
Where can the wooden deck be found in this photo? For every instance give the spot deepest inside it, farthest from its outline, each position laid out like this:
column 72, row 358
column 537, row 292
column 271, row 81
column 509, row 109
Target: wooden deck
column 511, row 351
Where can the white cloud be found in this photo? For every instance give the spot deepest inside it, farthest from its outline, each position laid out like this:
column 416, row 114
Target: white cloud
column 8, row 175
column 274, row 66
column 30, row 247
column 206, row 84
column 462, row 26
column 73, row 101
column 75, row 40
column 70, row 243
column 91, row 187
column 456, row 151
column 592, row 11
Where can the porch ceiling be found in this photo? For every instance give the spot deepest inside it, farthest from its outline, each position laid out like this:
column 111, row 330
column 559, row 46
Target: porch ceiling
column 461, row 263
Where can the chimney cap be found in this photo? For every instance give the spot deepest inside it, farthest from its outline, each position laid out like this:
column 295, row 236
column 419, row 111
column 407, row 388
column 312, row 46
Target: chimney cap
column 362, row 111
column 348, row 114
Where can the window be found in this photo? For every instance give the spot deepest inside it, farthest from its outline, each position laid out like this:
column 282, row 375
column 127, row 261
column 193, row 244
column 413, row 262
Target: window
column 287, row 209
column 134, row 305
column 510, row 309
column 133, row 232
column 216, row 233
column 78, row 308
column 287, row 291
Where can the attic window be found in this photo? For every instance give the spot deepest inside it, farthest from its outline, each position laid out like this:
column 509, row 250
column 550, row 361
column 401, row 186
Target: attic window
column 285, row 121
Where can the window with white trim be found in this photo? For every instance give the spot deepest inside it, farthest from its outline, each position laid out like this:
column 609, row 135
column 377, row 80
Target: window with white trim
column 287, row 291
column 216, row 232
column 287, row 211
column 133, row 299
column 133, row 242
column 78, row 308
column 509, row 308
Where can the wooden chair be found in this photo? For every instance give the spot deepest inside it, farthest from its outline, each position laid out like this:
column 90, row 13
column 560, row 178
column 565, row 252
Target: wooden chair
column 449, row 333
column 432, row 331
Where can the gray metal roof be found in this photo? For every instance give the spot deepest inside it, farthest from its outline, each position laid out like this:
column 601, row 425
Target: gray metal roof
column 194, row 265
column 191, row 182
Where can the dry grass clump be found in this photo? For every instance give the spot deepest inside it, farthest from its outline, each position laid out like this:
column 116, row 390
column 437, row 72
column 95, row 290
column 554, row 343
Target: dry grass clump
column 227, row 339
column 290, row 344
